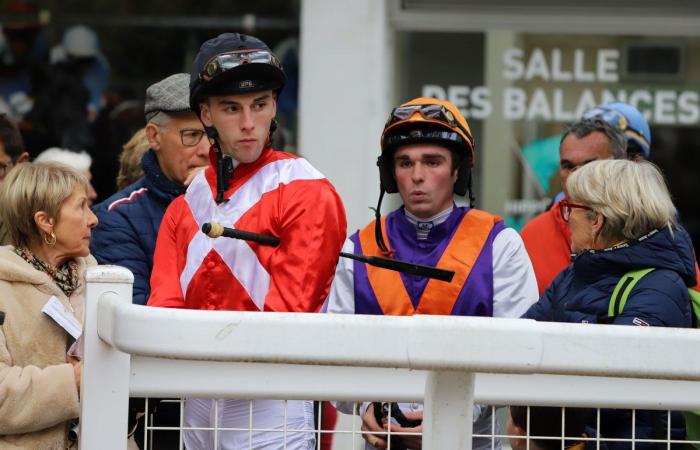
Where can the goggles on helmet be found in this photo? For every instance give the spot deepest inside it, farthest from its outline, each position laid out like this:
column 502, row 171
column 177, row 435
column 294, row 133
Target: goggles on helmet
column 616, row 119
column 226, row 61
column 428, row 111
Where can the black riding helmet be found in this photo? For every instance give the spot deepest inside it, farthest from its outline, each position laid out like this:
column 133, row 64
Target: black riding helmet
column 233, row 64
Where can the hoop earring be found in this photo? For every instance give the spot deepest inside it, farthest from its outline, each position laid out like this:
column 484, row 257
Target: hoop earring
column 50, row 238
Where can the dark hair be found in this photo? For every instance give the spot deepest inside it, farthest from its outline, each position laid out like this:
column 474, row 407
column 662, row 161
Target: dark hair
column 457, row 159
column 616, row 139
column 10, row 137
column 634, row 150
column 546, row 421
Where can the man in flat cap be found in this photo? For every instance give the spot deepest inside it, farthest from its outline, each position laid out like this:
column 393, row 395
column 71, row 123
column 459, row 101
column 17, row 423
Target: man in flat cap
column 129, row 220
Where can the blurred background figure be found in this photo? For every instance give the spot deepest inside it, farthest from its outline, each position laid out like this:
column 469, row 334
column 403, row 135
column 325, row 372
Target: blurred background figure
column 68, row 94
column 11, row 153
column 130, row 159
column 80, row 47
column 120, row 119
column 288, row 101
column 45, row 208
column 11, row 146
column 23, row 52
column 80, row 161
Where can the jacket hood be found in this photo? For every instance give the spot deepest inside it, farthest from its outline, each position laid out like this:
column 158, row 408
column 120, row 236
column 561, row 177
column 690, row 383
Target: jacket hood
column 660, row 249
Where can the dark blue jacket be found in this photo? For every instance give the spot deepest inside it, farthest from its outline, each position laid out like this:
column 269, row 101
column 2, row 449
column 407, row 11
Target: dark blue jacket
column 129, row 221
column 581, row 293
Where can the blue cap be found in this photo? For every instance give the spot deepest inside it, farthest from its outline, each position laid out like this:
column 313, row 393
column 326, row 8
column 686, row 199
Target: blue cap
column 627, row 119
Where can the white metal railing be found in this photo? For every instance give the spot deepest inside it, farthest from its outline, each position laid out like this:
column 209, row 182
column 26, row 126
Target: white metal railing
column 446, row 362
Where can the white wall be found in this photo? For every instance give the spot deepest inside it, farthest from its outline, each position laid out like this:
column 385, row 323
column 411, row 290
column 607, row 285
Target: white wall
column 498, row 162
column 345, row 96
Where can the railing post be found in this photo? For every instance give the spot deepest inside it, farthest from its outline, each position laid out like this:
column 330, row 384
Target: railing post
column 449, row 410
column 104, row 390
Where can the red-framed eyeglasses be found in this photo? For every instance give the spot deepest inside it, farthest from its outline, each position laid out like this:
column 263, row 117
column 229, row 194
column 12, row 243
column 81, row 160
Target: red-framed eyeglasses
column 566, row 206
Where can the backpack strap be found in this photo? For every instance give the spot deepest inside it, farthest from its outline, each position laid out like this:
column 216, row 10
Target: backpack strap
column 623, row 289
column 695, row 304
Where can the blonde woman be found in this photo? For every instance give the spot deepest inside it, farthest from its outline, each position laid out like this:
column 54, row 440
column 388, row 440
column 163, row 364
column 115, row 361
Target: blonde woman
column 45, row 207
column 622, row 221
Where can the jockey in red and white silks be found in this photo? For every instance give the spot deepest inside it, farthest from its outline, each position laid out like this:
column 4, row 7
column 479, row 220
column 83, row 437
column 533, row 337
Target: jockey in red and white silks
column 280, row 195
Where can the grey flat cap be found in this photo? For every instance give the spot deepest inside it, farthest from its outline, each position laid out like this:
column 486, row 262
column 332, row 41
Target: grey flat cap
column 171, row 95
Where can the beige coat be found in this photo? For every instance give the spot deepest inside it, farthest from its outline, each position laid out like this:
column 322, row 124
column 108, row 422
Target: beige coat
column 38, row 395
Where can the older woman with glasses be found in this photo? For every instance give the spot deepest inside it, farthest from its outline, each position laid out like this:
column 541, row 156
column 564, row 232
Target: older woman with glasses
column 632, row 265
column 42, row 287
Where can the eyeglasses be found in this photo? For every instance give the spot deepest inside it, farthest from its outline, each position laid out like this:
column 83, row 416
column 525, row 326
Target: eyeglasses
column 429, row 111
column 227, row 61
column 565, row 207
column 191, row 136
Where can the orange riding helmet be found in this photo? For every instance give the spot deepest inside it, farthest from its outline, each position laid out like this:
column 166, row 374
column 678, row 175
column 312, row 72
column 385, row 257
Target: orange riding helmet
column 424, row 120
column 427, row 120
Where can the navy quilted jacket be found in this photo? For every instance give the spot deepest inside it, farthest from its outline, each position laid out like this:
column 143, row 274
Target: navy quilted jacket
column 129, row 221
column 581, row 292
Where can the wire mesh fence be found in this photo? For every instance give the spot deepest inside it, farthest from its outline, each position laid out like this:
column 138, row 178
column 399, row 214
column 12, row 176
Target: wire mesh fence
column 166, row 425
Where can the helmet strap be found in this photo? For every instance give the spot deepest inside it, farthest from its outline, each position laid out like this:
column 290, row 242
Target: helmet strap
column 273, row 128
column 470, row 191
column 378, row 235
column 224, row 166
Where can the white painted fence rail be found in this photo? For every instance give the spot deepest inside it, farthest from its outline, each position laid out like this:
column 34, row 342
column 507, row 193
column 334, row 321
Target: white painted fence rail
column 448, row 362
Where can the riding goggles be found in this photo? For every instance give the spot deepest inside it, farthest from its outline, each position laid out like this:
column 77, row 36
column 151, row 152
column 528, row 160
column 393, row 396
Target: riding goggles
column 224, row 62
column 428, row 111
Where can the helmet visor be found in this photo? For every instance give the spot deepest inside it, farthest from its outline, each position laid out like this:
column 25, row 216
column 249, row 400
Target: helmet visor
column 418, row 136
column 224, row 62
column 428, row 111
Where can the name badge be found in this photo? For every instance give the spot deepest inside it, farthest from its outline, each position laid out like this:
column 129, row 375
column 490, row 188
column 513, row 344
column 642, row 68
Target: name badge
column 63, row 316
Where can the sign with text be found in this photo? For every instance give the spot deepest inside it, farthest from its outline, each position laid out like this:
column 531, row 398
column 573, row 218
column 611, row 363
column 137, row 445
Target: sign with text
column 559, row 86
